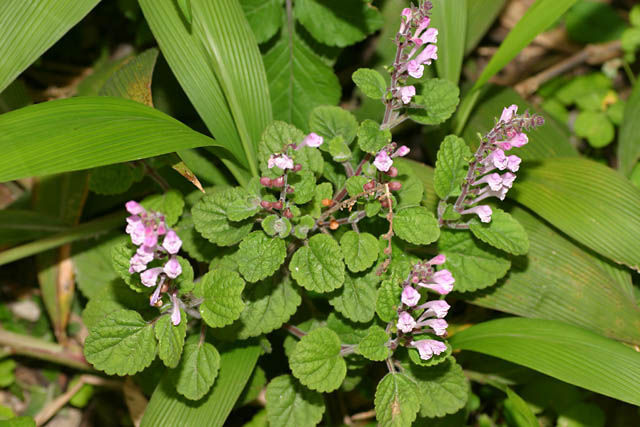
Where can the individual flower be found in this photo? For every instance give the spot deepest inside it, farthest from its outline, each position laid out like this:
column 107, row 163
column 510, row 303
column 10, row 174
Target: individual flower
column 172, row 242
column 280, row 160
column 441, row 282
column 438, row 260
column 410, row 296
column 312, row 140
column 495, row 159
column 438, row 308
column 134, row 208
column 494, row 181
column 483, row 211
column 507, row 113
column 382, row 161
column 172, row 268
column 427, row 348
column 406, row 322
column 513, row 163
column 406, row 93
column 402, row 151
column 438, row 326
column 415, row 69
column 175, row 309
column 149, row 277
column 507, row 179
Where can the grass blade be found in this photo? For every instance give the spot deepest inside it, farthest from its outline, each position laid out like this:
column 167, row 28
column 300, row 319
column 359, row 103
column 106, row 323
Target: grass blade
column 450, row 18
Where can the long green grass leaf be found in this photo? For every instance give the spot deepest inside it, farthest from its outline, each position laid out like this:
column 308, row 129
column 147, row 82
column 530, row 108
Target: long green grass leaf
column 189, row 62
column 235, row 58
column 480, row 17
column 629, row 136
column 450, row 18
column 586, row 200
column 29, row 28
column 84, row 132
column 568, row 353
column 558, row 280
column 540, row 16
column 168, row 408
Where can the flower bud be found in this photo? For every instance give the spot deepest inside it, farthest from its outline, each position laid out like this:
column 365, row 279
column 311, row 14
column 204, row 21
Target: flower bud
column 297, row 167
column 277, row 205
column 266, row 204
column 290, row 190
column 278, row 182
column 393, row 172
column 369, row 185
column 287, row 213
column 265, row 181
column 395, row 185
column 384, row 203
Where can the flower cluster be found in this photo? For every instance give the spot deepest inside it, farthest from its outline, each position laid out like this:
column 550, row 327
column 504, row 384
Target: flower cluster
column 146, row 228
column 482, row 181
column 384, row 158
column 416, row 48
column 426, row 318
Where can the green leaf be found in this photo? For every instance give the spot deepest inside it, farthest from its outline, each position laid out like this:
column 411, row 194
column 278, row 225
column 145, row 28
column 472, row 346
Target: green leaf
column 582, row 414
column 473, row 264
column 7, row 372
column 339, row 150
column 304, row 186
column 289, row 404
column 397, row 400
column 540, row 16
column 480, row 17
column 451, row 166
column 85, row 132
column 17, row 226
column 111, row 179
column 268, row 305
column 572, row 286
column 192, row 242
column 133, row 79
column 503, row 232
column 260, row 256
column 595, row 127
column 517, row 411
column 592, row 22
column 197, row 370
column 113, row 296
column 32, row 28
column 371, row 138
column 222, row 303
column 330, row 122
column 275, row 138
column 355, row 184
column 244, row 207
column 373, row 346
column 264, row 17
column 316, row 360
column 450, row 18
column 121, row 254
column 589, row 202
column 166, row 406
column 360, row 250
column 189, row 61
column 439, row 97
column 568, row 353
column 299, row 80
column 170, row 339
column 210, row 217
column 337, row 23
column 550, row 140
column 370, row 82
column 110, row 342
column 170, row 204
column 388, row 300
column 318, row 266
column 443, row 389
column 356, row 300
column 629, row 136
column 237, row 63
column 274, row 224
column 92, row 262
column 416, row 225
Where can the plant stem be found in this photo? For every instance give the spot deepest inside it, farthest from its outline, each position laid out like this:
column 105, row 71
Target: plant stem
column 82, row 231
column 39, row 349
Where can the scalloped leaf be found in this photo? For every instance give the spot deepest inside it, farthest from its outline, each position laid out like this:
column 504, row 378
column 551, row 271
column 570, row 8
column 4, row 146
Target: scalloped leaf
column 222, row 291
column 259, row 256
column 318, row 266
column 290, row 404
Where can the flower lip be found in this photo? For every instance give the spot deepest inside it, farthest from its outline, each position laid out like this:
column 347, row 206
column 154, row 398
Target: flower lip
column 382, row 161
column 406, row 322
column 410, row 296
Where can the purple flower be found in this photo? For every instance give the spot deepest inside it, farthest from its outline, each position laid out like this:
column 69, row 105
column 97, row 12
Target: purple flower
column 312, row 140
column 495, row 159
column 175, row 309
column 483, row 211
column 415, row 69
column 513, row 163
column 383, row 162
column 401, row 152
column 172, row 268
column 405, row 19
column 280, row 160
column 406, row 93
column 438, row 260
column 427, row 348
column 149, row 277
column 134, row 208
column 428, row 53
column 439, row 326
column 410, row 296
column 437, row 308
column 172, row 242
column 137, row 232
column 137, row 264
column 430, row 36
column 441, row 282
column 487, row 192
column 507, row 179
column 508, row 112
column 156, row 294
column 494, row 181
column 406, row 323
